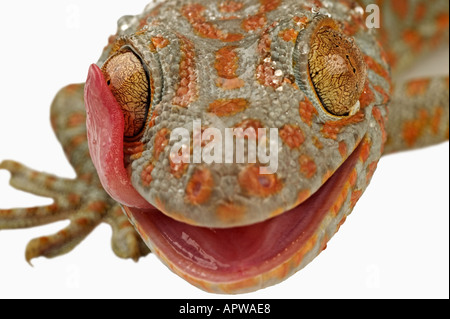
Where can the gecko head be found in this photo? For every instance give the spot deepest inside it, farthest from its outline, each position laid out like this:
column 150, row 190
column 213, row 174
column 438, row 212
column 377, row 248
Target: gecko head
column 160, row 96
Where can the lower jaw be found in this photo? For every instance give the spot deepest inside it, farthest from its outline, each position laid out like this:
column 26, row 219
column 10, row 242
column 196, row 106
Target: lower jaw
column 243, row 259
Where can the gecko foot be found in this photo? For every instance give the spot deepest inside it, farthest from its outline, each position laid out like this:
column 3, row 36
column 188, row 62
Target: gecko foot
column 82, row 202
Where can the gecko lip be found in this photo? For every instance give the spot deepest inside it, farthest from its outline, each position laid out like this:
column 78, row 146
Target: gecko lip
column 105, row 126
column 242, row 259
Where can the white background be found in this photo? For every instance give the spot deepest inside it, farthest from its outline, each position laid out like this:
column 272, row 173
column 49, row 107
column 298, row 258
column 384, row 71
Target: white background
column 395, row 244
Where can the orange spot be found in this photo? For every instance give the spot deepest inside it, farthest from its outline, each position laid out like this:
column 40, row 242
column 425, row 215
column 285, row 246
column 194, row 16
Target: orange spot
column 230, row 213
column 367, row 97
column 257, row 184
column 87, row 177
column 187, row 87
column 307, row 111
column 178, row 169
column 49, row 181
column 161, row 141
column 124, row 224
column 331, row 129
column 400, row 7
column 240, row 285
column 326, row 176
column 224, row 107
column 250, row 123
column 265, row 73
column 365, row 151
column 230, row 6
column 199, row 187
column 317, row 143
column 417, row 87
column 43, row 241
column 83, row 222
column 377, row 68
column 230, row 84
column 277, row 212
column 292, row 135
column 343, row 149
column 413, row 129
column 160, row 205
column 72, row 88
column 74, row 199
column 413, row 39
column 288, row 35
column 226, row 63
column 436, row 120
column 255, row 22
column 302, row 196
column 352, row 178
column 356, row 195
column 443, row 21
column 75, row 142
column 76, row 119
column 152, row 120
column 391, row 58
column 258, row 20
column 146, row 175
column 131, row 148
column 269, row 5
column 307, row 166
column 350, row 28
column 297, row 259
column 160, row 42
column 300, row 21
column 264, row 45
column 194, row 14
column 340, row 200
column 421, row 10
column 97, row 207
column 383, row 93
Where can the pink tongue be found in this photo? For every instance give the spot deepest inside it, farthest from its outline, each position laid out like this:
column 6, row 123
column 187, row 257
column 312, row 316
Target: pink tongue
column 105, row 127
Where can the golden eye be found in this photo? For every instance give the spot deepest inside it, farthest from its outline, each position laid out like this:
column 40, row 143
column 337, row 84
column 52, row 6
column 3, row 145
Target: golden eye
column 337, row 70
column 128, row 81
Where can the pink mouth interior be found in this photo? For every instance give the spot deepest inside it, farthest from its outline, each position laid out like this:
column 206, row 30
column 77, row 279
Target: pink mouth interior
column 215, row 255
column 227, row 255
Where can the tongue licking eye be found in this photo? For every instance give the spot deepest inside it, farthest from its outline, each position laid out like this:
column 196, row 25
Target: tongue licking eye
column 117, row 100
column 128, row 81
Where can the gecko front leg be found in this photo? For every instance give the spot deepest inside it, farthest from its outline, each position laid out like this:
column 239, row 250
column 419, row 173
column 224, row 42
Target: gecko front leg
column 81, row 200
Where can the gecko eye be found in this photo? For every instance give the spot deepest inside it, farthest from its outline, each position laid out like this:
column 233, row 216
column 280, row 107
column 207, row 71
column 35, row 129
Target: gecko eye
column 336, row 70
column 128, row 81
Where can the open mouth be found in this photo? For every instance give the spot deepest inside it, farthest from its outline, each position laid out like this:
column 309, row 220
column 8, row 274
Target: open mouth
column 244, row 258
column 231, row 260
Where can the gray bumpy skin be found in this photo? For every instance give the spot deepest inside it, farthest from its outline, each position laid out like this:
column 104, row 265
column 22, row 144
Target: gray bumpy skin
column 261, row 53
